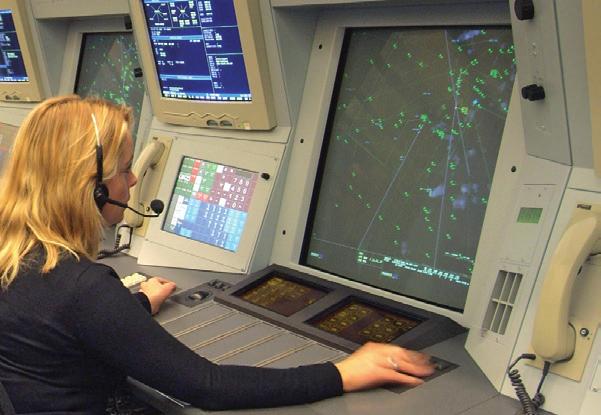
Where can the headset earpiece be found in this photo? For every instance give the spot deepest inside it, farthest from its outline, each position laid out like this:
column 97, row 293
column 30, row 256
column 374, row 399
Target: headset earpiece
column 101, row 192
column 101, row 195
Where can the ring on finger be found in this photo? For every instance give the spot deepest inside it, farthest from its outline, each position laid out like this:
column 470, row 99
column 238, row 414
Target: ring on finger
column 393, row 364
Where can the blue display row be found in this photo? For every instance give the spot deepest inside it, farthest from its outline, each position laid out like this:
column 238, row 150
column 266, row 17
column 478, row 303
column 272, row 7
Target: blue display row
column 210, row 223
column 207, row 13
column 197, row 50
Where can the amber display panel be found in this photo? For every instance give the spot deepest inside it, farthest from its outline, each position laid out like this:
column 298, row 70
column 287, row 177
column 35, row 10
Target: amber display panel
column 360, row 322
column 281, row 295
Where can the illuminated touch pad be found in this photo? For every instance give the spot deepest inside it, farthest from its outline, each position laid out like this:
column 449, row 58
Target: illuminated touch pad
column 360, row 323
column 210, row 203
column 282, row 296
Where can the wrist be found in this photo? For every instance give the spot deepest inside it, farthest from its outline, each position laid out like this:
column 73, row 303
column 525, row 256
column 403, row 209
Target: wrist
column 144, row 300
column 343, row 371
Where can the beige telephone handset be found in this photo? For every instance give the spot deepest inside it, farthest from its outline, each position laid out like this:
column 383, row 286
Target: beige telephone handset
column 554, row 337
column 148, row 159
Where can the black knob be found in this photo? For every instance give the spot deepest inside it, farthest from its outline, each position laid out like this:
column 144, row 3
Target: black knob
column 138, row 72
column 265, row 176
column 533, row 92
column 524, row 9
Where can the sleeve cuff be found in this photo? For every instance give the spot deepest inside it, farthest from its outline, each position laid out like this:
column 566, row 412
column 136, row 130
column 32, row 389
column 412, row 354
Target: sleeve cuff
column 142, row 299
column 335, row 386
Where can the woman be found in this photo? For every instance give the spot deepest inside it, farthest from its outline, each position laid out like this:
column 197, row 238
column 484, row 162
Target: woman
column 70, row 332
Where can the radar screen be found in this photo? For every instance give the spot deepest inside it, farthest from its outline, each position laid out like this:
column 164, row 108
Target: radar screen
column 210, row 203
column 360, row 322
column 282, row 296
column 409, row 155
column 107, row 69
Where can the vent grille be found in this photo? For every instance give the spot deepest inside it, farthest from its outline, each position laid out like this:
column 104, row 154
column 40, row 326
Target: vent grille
column 502, row 301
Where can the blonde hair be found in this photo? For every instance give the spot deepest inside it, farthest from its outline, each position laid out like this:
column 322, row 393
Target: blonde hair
column 47, row 187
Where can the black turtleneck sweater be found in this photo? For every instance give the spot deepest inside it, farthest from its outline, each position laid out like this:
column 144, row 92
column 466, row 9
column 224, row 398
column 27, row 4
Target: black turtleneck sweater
column 70, row 337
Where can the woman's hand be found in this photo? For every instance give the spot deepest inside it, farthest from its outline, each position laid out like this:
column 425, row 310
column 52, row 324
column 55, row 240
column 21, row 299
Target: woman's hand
column 376, row 364
column 157, row 290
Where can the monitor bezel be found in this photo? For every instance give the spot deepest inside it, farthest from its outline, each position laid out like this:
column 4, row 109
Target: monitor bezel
column 304, row 253
column 31, row 90
column 73, row 55
column 323, row 66
column 258, row 114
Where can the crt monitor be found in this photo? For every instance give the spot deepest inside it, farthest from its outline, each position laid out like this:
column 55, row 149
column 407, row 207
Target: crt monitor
column 205, row 62
column 216, row 193
column 109, row 68
column 410, row 148
column 19, row 71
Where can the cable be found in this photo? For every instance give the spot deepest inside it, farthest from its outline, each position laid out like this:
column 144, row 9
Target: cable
column 539, row 398
column 529, row 405
column 117, row 247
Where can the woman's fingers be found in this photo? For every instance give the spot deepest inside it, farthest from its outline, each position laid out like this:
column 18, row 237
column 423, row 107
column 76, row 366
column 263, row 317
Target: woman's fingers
column 404, row 379
column 376, row 364
column 421, row 368
column 163, row 280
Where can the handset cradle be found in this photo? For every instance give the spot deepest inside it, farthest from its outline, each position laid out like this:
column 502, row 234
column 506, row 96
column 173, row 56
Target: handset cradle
column 554, row 337
column 148, row 159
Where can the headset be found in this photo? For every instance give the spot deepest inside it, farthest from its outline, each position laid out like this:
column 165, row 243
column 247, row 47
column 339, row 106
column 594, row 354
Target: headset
column 101, row 192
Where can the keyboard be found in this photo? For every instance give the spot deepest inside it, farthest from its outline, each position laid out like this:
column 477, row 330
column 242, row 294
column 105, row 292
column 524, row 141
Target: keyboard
column 133, row 279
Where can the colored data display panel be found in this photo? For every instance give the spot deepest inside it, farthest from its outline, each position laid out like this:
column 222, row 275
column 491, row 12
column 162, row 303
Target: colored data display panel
column 197, row 49
column 107, row 65
column 360, row 323
column 210, row 203
column 282, row 296
column 12, row 66
column 411, row 146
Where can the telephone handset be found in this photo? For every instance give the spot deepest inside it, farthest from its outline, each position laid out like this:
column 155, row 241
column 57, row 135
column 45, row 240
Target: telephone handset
column 148, row 159
column 554, row 337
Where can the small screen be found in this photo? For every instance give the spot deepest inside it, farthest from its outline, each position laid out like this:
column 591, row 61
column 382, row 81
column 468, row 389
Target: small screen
column 12, row 66
column 107, row 69
column 210, row 203
column 410, row 150
column 197, row 49
column 530, row 215
column 282, row 296
column 360, row 322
